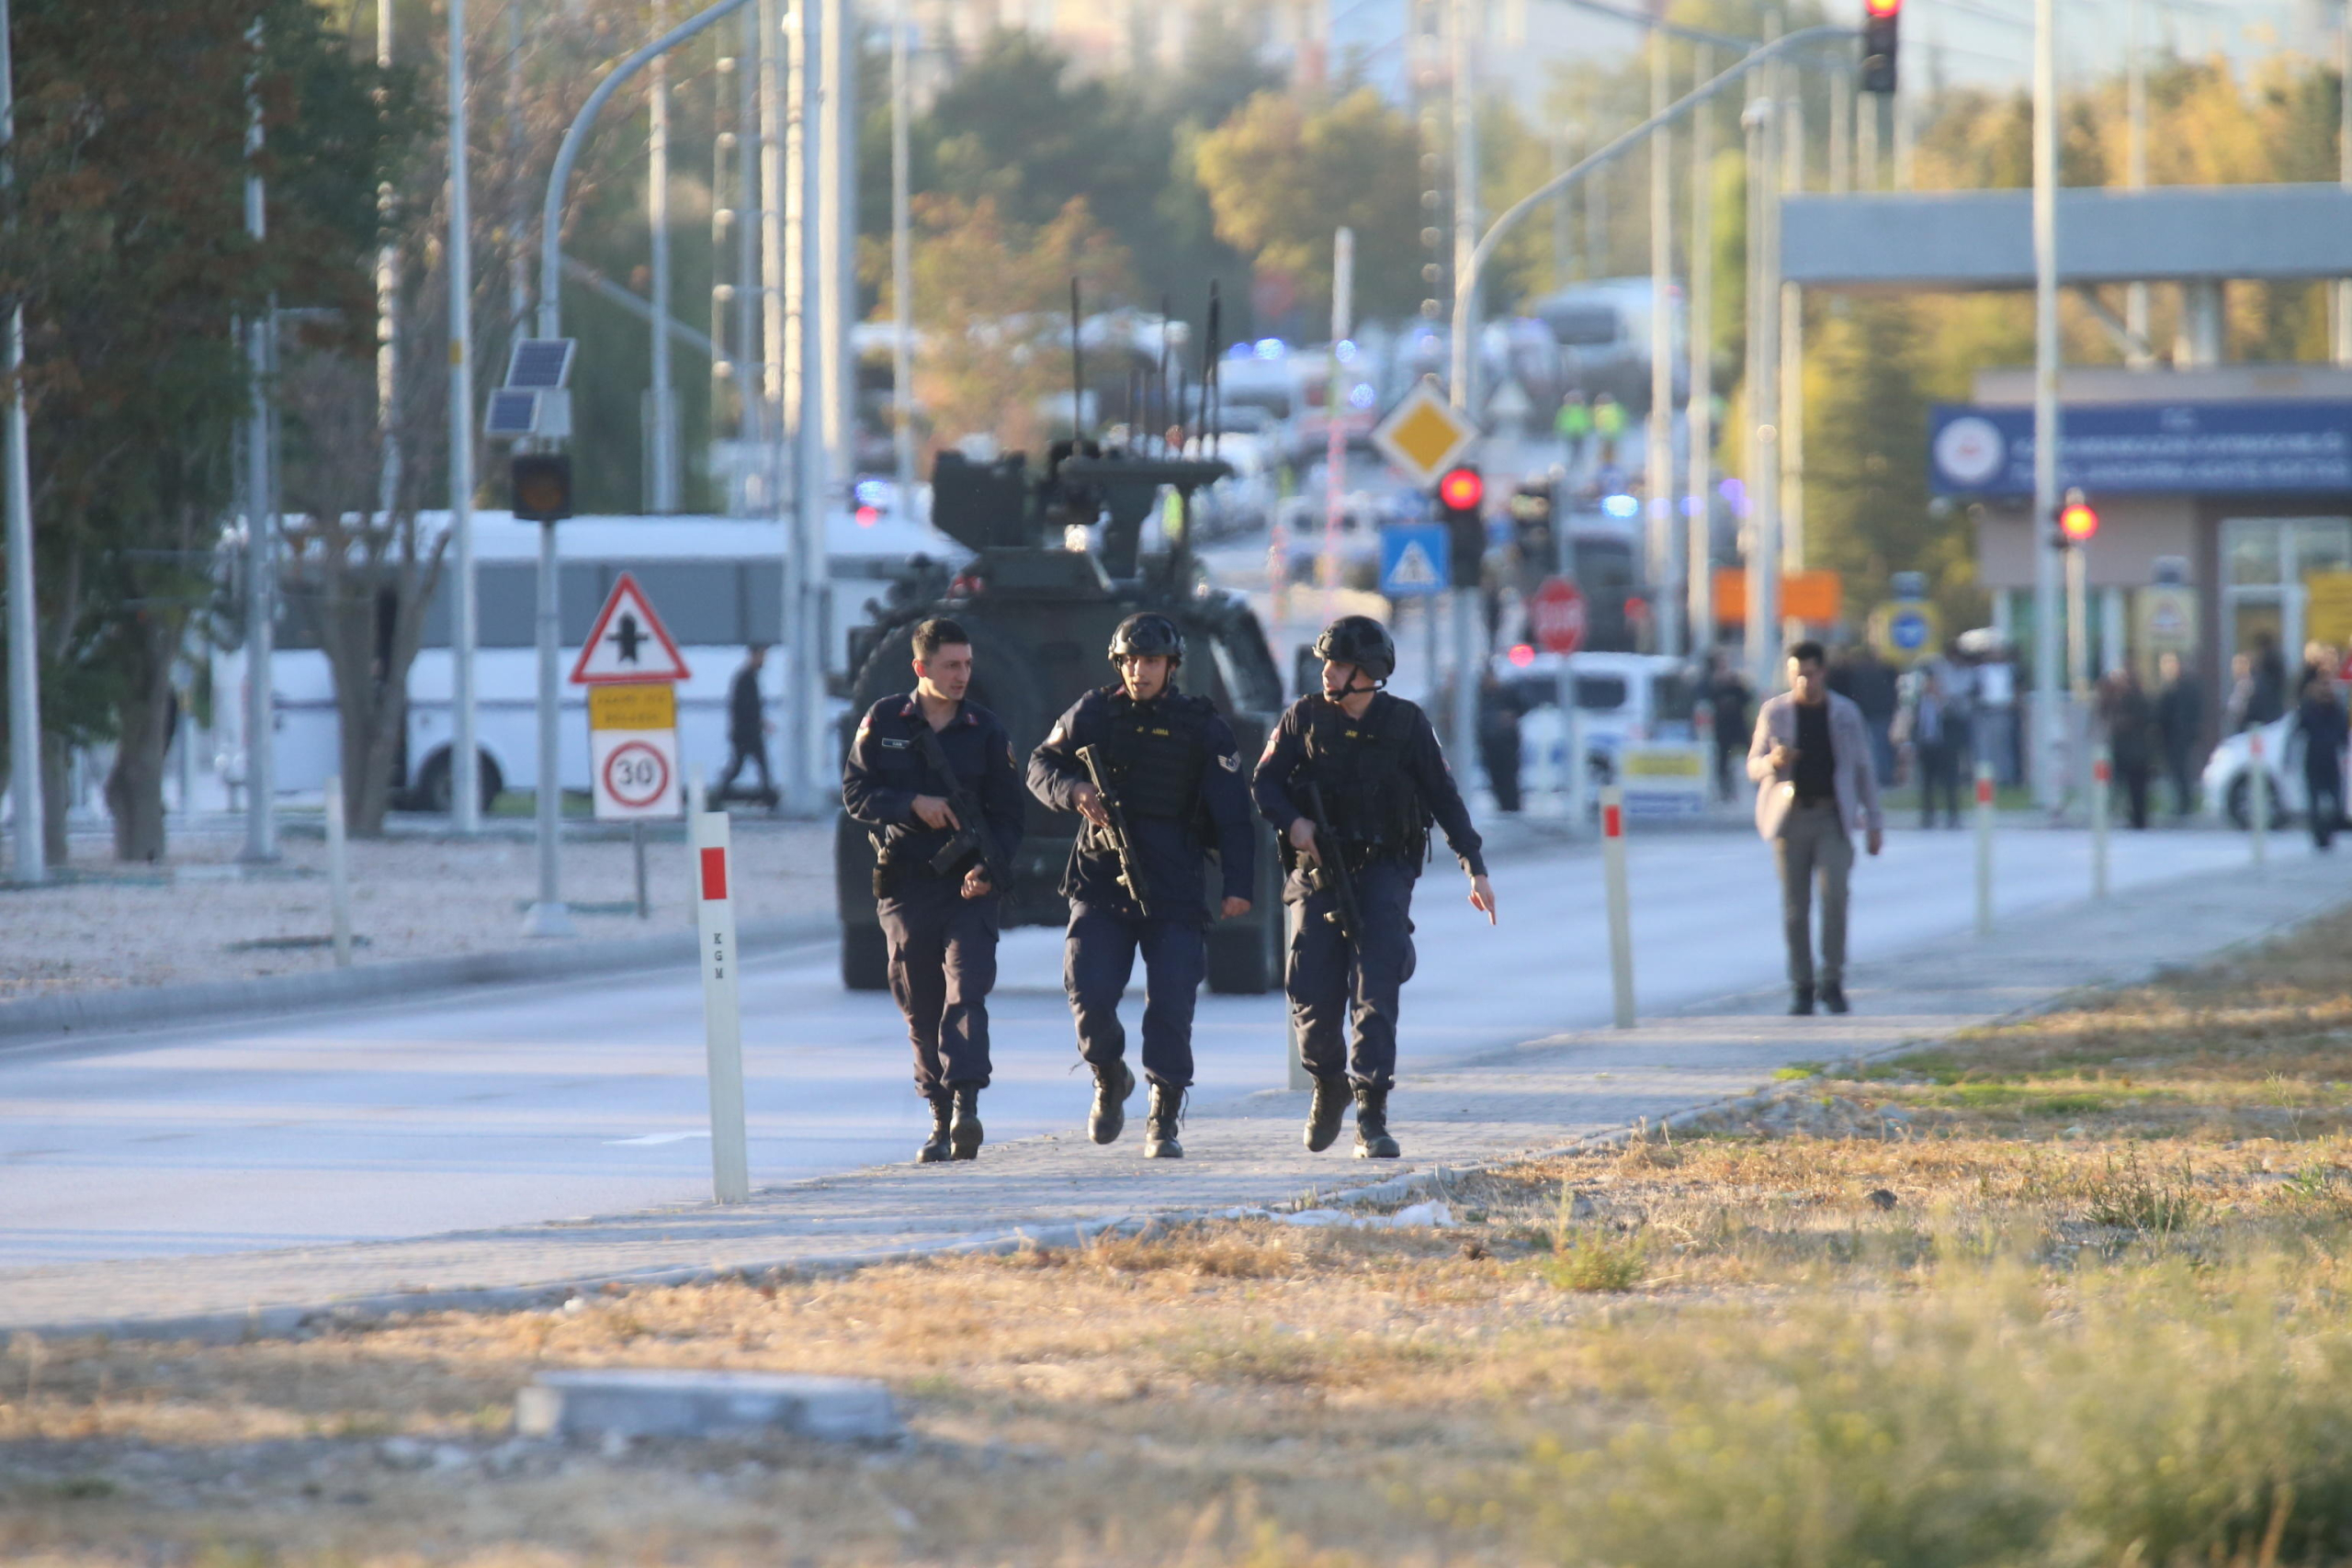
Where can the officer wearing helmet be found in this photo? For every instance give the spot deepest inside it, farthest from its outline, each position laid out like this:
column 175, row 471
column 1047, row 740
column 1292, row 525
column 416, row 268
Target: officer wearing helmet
column 1375, row 762
column 1174, row 773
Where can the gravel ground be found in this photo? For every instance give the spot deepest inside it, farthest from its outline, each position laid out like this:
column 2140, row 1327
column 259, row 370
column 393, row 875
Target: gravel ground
column 201, row 916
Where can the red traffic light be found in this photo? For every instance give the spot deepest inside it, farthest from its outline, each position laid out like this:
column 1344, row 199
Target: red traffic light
column 1882, row 7
column 1462, row 490
column 2077, row 523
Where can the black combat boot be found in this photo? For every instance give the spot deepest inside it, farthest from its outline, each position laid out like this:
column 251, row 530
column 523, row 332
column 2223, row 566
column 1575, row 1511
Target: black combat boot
column 935, row 1150
column 1324, row 1116
column 1373, row 1140
column 964, row 1134
column 1833, row 996
column 1801, row 1003
column 1108, row 1118
column 1167, row 1119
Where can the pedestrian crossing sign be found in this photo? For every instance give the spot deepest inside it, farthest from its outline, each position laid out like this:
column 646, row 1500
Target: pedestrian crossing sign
column 1415, row 561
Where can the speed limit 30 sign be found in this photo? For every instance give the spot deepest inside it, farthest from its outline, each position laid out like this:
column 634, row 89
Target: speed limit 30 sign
column 633, row 751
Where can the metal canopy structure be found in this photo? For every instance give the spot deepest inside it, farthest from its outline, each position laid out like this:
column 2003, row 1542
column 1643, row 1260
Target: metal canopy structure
column 1984, row 239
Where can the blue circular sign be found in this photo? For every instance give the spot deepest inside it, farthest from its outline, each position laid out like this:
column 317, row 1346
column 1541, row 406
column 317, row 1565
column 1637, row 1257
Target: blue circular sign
column 1907, row 630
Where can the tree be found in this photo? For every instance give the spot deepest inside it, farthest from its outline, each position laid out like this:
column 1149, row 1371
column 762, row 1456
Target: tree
column 999, row 292
column 1284, row 173
column 124, row 237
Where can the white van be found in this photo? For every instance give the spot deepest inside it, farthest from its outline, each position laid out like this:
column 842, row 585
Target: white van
column 716, row 582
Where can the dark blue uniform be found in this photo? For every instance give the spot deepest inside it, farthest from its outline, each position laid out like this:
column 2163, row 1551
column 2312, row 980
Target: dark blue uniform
column 943, row 945
column 1177, row 770
column 1384, row 778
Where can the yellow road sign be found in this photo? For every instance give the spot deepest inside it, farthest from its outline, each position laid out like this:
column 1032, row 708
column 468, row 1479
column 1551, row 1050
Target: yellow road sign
column 1424, row 435
column 648, row 704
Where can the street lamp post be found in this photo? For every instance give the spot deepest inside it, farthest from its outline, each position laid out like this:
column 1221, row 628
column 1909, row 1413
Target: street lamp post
column 1698, row 419
column 261, row 565
column 1662, row 537
column 30, row 863
column 2048, row 786
column 464, row 775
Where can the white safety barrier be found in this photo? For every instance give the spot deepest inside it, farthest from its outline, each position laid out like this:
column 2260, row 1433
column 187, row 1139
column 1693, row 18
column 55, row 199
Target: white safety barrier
column 1984, row 849
column 2257, row 806
column 338, row 873
column 722, row 1008
column 1620, row 918
column 2102, row 789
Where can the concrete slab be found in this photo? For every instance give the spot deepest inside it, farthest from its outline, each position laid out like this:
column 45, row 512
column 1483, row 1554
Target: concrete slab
column 656, row 1403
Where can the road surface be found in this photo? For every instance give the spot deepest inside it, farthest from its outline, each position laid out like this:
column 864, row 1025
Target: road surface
column 524, row 1104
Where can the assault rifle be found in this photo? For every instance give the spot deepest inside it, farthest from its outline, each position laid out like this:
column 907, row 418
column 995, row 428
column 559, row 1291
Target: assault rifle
column 971, row 825
column 1123, row 844
column 1328, row 870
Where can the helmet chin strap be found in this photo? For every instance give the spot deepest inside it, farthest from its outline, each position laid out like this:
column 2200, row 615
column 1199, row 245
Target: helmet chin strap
column 1352, row 689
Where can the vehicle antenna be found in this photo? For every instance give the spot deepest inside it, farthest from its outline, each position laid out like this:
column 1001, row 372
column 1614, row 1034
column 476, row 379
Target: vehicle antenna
column 1159, row 426
column 1077, row 369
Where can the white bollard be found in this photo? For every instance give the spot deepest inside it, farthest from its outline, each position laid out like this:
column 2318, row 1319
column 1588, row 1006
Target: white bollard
column 2257, row 806
column 1620, row 916
column 1984, row 849
column 2102, row 786
column 338, row 874
column 722, row 1008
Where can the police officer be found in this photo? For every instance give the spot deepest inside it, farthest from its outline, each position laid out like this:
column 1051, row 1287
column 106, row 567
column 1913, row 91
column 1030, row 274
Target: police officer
column 1382, row 777
column 939, row 908
column 1174, row 772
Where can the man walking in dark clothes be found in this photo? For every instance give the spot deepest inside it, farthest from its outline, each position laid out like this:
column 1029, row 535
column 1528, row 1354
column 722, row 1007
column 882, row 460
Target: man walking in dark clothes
column 1376, row 764
column 1816, row 788
column 939, row 910
column 747, row 727
column 1174, row 773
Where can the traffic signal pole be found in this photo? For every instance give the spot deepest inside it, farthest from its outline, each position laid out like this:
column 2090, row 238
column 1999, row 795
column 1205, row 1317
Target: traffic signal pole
column 1664, row 536
column 1467, row 623
column 2047, row 719
column 29, row 862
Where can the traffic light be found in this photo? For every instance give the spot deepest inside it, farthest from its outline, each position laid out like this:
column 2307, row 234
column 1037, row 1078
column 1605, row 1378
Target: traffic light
column 1460, row 495
column 2077, row 520
column 539, row 486
column 1879, row 20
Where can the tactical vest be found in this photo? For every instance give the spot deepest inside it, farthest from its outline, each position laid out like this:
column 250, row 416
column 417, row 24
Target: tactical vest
column 1376, row 809
column 1157, row 753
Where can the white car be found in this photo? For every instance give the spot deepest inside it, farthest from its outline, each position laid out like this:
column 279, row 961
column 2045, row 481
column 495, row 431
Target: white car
column 2228, row 783
column 1620, row 698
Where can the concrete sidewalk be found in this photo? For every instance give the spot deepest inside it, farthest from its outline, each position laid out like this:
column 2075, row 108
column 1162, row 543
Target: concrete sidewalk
column 1543, row 1094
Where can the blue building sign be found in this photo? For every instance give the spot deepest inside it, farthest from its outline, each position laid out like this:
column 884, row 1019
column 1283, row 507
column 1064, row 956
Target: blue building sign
column 2124, row 448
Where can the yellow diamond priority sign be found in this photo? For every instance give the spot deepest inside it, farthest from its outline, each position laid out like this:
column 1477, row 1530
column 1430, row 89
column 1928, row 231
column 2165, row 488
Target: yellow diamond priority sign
column 1423, row 436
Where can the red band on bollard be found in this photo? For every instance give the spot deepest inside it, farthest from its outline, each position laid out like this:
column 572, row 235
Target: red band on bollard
column 714, row 873
column 1984, row 791
column 2100, row 772
column 1613, row 821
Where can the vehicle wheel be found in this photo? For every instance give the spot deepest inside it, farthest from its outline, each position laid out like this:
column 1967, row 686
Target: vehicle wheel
column 865, row 959
column 2241, row 803
column 432, row 792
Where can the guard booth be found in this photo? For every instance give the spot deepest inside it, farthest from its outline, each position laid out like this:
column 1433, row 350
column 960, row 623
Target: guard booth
column 2224, row 498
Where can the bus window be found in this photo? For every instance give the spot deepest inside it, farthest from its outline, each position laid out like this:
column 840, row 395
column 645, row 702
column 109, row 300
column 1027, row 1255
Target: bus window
column 1601, row 693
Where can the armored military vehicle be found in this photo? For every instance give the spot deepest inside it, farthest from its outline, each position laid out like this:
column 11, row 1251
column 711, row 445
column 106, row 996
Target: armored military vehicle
column 1040, row 598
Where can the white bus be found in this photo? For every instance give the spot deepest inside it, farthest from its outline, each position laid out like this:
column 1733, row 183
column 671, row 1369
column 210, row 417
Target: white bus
column 716, row 582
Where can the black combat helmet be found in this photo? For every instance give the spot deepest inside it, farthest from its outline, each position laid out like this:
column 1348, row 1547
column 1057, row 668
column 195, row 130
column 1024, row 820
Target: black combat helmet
column 1142, row 636
column 1359, row 640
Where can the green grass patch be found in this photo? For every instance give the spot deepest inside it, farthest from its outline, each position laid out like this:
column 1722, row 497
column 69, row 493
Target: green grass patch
column 1796, row 1071
column 1593, row 1259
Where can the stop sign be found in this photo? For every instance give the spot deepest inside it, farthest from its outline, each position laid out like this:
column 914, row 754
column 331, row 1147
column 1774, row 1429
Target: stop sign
column 1556, row 614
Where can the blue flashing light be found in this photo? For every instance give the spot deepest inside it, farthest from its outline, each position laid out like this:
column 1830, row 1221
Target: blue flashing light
column 1362, row 397
column 1621, row 506
column 1344, row 351
column 1239, row 351
column 873, row 492
column 1269, row 348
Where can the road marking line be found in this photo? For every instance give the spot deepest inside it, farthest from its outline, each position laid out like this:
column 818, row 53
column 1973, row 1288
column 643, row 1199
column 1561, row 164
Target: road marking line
column 651, row 1138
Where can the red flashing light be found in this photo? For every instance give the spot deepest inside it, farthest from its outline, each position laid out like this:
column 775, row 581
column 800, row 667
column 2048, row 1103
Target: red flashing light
column 2079, row 522
column 1462, row 490
column 1522, row 656
column 1882, row 7
column 868, row 515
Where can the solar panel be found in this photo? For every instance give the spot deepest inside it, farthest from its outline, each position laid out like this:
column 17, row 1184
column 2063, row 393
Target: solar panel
column 539, row 363
column 512, row 413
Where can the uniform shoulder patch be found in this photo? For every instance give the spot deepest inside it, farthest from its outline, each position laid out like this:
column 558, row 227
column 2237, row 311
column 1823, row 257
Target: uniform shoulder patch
column 1229, row 762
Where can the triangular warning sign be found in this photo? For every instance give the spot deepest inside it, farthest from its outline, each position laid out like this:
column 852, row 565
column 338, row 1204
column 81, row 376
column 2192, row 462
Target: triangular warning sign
column 1414, row 568
column 628, row 642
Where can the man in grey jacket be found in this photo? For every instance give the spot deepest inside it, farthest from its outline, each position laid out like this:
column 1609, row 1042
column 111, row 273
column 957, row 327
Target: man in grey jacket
column 1814, row 790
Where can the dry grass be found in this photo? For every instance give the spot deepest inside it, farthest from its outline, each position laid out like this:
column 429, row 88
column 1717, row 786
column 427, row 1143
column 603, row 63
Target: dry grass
column 2071, row 1292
